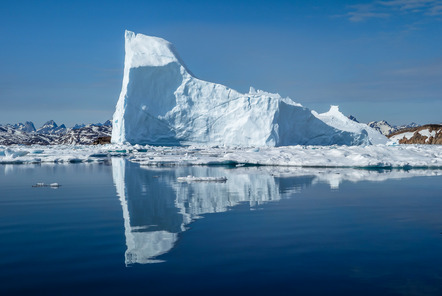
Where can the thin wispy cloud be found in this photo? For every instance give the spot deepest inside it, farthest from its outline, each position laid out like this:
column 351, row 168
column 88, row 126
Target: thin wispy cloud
column 387, row 9
column 362, row 12
column 436, row 10
column 411, row 5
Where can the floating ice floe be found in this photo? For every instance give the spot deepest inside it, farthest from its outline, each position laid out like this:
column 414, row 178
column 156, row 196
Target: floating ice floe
column 52, row 185
column 190, row 178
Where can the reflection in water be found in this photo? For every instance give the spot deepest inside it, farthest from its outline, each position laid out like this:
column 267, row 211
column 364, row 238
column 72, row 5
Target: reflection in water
column 156, row 207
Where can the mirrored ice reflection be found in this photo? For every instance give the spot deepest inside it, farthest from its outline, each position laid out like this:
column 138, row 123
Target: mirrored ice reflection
column 156, row 208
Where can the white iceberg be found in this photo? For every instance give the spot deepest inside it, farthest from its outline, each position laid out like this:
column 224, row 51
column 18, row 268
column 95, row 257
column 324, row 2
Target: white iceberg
column 162, row 103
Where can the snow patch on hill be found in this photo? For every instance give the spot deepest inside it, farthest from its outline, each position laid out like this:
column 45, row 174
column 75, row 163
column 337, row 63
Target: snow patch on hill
column 426, row 134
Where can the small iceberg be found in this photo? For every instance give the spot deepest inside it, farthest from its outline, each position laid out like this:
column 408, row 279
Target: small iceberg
column 52, row 185
column 190, row 178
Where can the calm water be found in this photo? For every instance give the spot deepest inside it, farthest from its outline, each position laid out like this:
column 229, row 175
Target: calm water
column 116, row 228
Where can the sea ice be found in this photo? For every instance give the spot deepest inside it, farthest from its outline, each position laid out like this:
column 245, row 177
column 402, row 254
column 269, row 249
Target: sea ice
column 371, row 156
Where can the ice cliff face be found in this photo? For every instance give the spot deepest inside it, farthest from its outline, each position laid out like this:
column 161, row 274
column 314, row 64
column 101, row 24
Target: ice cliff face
column 162, row 103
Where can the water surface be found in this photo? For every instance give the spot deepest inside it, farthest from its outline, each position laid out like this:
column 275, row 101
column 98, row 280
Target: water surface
column 115, row 228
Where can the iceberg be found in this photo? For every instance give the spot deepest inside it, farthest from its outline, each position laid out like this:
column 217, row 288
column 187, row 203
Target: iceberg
column 163, row 103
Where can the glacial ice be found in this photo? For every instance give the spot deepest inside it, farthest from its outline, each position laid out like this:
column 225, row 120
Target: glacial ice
column 162, row 103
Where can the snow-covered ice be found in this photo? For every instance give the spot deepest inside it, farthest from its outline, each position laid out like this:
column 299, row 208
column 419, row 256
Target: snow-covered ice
column 163, row 103
column 17, row 154
column 371, row 156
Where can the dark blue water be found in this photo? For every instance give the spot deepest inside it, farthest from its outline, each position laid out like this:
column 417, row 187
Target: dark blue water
column 117, row 228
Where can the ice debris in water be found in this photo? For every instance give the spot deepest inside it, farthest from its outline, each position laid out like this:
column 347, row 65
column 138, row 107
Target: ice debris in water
column 373, row 156
column 191, row 178
column 52, row 185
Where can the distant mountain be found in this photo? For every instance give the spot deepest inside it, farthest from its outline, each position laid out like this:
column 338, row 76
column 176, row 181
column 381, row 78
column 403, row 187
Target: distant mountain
column 383, row 127
column 404, row 126
column 10, row 135
column 86, row 135
column 78, row 126
column 106, row 123
column 51, row 127
column 387, row 129
column 50, row 134
column 28, row 126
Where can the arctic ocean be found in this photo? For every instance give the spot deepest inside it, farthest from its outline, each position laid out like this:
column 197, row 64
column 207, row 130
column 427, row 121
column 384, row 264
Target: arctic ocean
column 116, row 227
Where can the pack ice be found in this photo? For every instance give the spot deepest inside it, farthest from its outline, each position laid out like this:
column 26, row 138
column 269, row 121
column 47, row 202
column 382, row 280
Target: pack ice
column 162, row 103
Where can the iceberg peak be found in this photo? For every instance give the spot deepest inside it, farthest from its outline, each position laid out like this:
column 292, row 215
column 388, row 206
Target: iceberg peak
column 143, row 50
column 334, row 109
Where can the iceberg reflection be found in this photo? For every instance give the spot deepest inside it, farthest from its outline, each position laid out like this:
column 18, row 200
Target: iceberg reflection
column 156, row 208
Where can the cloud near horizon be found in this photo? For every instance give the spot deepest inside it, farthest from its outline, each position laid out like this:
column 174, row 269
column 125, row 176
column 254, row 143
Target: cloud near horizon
column 387, row 9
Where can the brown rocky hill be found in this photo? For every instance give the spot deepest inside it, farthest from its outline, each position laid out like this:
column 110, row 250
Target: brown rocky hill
column 425, row 134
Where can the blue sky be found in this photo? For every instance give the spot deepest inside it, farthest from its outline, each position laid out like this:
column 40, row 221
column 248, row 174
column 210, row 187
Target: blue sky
column 63, row 60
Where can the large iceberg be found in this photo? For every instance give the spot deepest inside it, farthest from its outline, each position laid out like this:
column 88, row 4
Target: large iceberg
column 162, row 103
